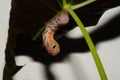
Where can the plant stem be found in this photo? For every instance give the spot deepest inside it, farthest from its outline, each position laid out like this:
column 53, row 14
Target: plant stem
column 89, row 42
column 38, row 33
column 64, row 2
column 82, row 4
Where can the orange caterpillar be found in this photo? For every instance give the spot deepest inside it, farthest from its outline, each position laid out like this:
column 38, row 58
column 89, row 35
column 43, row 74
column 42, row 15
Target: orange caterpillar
column 51, row 45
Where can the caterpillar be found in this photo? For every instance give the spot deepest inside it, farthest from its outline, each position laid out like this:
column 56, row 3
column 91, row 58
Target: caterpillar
column 51, row 45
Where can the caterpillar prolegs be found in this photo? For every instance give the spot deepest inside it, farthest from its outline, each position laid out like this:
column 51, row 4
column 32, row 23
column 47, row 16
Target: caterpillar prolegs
column 51, row 45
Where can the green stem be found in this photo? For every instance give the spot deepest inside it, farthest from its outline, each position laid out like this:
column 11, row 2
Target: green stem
column 38, row 33
column 64, row 2
column 89, row 42
column 82, row 4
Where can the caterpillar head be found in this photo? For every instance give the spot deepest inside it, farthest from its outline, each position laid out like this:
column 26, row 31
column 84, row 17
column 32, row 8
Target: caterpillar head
column 51, row 45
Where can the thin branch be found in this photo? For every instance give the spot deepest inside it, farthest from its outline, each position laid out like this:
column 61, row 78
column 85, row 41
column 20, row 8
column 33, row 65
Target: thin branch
column 82, row 4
